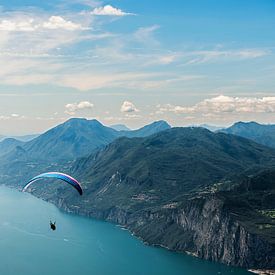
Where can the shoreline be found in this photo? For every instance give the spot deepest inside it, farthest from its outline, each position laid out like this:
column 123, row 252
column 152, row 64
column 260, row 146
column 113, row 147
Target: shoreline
column 125, row 228
column 262, row 271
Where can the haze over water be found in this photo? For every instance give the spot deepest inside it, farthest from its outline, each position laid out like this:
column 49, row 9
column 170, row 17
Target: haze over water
column 81, row 245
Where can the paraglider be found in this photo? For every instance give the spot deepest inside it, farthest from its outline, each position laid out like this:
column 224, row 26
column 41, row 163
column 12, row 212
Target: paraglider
column 56, row 175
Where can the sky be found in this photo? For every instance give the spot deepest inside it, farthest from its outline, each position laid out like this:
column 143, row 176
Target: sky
column 134, row 62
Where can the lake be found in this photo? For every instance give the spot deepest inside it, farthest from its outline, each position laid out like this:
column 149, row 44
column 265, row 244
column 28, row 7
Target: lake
column 81, row 245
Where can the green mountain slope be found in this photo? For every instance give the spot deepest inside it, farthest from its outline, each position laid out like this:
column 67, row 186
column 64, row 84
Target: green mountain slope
column 168, row 164
column 179, row 189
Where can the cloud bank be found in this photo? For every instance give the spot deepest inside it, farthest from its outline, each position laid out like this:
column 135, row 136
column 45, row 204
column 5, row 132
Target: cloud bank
column 224, row 104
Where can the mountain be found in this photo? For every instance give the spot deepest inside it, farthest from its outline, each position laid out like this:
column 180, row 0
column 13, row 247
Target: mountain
column 71, row 139
column 179, row 189
column 26, row 137
column 75, row 138
column 263, row 134
column 8, row 144
column 59, row 146
column 120, row 127
column 179, row 159
column 170, row 163
column 21, row 138
column 148, row 130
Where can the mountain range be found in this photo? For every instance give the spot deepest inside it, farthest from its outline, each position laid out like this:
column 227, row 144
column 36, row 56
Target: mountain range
column 57, row 147
column 72, row 139
column 187, row 188
column 175, row 161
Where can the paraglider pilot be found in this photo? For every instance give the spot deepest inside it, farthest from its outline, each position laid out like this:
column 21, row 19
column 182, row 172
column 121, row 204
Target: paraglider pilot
column 52, row 225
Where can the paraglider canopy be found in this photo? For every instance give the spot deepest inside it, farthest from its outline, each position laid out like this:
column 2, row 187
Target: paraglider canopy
column 56, row 175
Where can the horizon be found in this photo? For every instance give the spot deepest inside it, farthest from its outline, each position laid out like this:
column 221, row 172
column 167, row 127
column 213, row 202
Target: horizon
column 131, row 63
column 204, row 125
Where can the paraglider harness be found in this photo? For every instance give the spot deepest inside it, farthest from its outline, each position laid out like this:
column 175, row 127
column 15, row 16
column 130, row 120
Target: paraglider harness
column 52, row 225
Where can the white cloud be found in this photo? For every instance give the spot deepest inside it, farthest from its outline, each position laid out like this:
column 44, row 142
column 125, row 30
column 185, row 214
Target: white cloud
column 128, row 107
column 145, row 35
column 109, row 11
column 89, row 3
column 58, row 22
column 72, row 108
column 162, row 81
column 94, row 80
column 10, row 25
column 128, row 117
column 167, row 59
column 224, row 104
column 29, row 24
column 14, row 115
column 133, row 116
column 199, row 57
column 4, row 117
column 25, row 79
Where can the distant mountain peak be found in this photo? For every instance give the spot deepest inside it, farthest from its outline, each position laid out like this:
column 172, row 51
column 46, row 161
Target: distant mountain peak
column 76, row 124
column 120, row 127
column 147, row 130
column 261, row 133
column 245, row 123
column 76, row 120
column 158, row 123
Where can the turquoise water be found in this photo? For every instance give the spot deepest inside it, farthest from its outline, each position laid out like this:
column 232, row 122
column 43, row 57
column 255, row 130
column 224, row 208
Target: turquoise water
column 80, row 245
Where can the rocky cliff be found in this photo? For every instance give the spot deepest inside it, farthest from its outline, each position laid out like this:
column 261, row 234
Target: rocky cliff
column 201, row 226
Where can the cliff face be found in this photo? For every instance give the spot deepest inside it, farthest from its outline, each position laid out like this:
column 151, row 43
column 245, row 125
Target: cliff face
column 219, row 236
column 202, row 226
column 205, row 229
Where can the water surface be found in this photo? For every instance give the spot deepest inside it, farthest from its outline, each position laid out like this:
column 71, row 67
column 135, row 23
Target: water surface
column 81, row 245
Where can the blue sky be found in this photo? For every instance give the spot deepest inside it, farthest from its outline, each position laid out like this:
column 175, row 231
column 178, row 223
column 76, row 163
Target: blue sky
column 133, row 62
